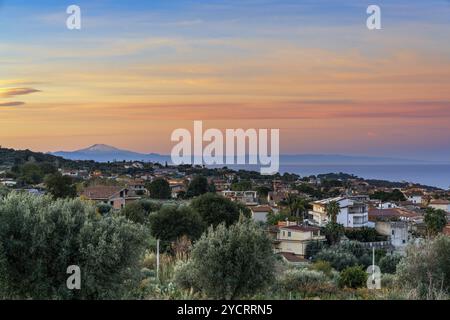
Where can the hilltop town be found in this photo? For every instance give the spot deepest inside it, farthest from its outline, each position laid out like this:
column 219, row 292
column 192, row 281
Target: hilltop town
column 304, row 217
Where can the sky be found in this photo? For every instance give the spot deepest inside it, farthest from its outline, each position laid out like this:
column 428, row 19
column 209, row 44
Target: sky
column 138, row 70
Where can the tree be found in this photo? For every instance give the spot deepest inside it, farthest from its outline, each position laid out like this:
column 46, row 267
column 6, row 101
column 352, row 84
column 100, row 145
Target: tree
column 3, row 191
column 388, row 264
column 30, row 173
column 353, row 277
column 135, row 212
column 159, row 189
column 104, row 208
column 40, row 238
column 242, row 185
column 229, row 263
column 333, row 232
column 198, row 186
column 60, row 186
column 435, row 220
column 171, row 223
column 263, row 191
column 339, row 259
column 139, row 211
column 333, row 210
column 296, row 205
column 215, row 209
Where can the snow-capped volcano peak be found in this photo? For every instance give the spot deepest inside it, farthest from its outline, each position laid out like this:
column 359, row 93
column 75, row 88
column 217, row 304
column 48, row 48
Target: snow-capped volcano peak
column 100, row 148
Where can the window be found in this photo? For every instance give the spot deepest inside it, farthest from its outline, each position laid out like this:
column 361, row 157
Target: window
column 289, row 234
column 393, row 232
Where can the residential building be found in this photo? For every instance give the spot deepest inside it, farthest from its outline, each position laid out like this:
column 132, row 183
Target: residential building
column 394, row 214
column 293, row 238
column 440, row 204
column 249, row 198
column 353, row 211
column 396, row 231
column 259, row 213
column 137, row 186
column 414, row 196
column 116, row 196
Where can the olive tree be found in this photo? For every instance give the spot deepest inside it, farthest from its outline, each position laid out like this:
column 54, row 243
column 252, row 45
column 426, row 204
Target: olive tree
column 229, row 263
column 40, row 238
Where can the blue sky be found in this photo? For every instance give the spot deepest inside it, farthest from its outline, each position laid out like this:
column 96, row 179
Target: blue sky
column 310, row 68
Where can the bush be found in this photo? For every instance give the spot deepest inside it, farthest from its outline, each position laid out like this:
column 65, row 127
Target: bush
column 322, row 266
column 425, row 270
column 139, row 211
column 388, row 264
column 313, row 248
column 103, row 208
column 159, row 189
column 353, row 277
column 338, row 259
column 364, row 235
column 229, row 263
column 388, row 281
column 215, row 209
column 40, row 238
column 301, row 280
column 171, row 223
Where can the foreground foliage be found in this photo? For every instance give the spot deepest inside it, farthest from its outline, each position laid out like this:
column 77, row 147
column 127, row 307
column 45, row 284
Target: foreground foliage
column 229, row 263
column 40, row 238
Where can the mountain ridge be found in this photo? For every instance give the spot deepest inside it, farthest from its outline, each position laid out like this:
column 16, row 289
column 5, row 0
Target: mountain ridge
column 108, row 153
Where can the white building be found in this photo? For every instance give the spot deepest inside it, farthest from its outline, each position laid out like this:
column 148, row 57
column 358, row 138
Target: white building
column 259, row 213
column 414, row 196
column 397, row 231
column 249, row 198
column 354, row 211
column 386, row 205
column 440, row 204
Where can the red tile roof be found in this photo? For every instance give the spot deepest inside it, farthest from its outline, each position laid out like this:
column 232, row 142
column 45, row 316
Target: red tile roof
column 101, row 192
column 261, row 209
column 391, row 213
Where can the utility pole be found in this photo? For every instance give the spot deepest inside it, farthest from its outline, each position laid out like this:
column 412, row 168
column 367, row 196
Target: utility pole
column 157, row 259
column 373, row 265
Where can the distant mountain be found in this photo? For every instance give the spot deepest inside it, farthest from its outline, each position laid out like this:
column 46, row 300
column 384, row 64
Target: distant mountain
column 105, row 153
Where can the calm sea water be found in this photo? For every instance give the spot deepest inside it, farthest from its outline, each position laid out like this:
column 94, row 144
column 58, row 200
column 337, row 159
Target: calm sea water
column 431, row 175
column 427, row 174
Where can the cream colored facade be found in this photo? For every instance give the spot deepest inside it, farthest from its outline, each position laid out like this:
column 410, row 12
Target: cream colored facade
column 294, row 239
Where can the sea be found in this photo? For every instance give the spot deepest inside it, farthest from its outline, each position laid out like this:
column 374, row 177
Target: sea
column 435, row 175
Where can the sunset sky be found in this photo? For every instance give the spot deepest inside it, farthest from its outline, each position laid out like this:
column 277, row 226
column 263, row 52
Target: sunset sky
column 137, row 70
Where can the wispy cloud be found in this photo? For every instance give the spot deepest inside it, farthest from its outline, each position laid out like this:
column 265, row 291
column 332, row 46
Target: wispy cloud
column 11, row 104
column 12, row 92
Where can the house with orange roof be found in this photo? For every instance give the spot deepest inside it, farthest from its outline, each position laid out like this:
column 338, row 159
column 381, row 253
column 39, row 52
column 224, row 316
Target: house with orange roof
column 117, row 197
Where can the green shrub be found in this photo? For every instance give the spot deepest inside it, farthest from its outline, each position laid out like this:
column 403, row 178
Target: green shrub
column 338, row 259
column 322, row 266
column 40, row 238
column 229, row 263
column 302, row 280
column 353, row 277
column 425, row 270
column 388, row 264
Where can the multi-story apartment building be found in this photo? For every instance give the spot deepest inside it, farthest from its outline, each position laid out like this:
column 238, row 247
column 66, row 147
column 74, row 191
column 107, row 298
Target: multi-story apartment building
column 354, row 211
